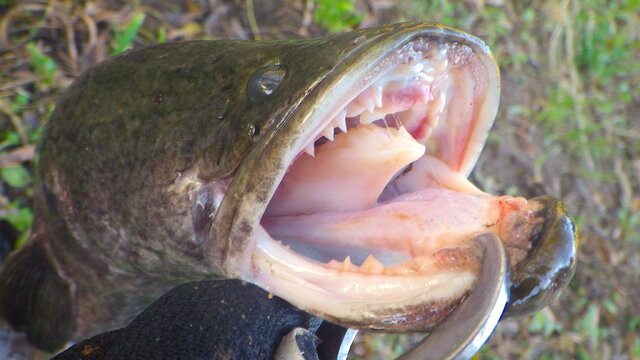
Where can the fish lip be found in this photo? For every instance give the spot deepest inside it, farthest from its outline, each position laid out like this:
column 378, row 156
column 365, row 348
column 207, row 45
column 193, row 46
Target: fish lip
column 550, row 263
column 247, row 198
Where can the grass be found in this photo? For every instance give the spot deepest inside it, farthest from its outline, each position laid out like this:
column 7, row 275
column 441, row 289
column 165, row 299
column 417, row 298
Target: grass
column 123, row 38
column 578, row 64
column 42, row 65
column 336, row 15
column 567, row 126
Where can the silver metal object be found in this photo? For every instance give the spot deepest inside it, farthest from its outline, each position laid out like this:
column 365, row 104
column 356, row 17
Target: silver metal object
column 461, row 334
column 336, row 341
column 349, row 336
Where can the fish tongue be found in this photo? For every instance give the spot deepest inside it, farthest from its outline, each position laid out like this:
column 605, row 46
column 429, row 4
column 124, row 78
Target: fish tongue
column 347, row 174
column 418, row 223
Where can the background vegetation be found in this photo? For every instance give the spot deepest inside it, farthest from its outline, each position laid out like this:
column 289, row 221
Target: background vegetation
column 568, row 125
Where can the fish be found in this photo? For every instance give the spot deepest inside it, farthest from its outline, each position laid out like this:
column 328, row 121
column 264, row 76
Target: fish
column 330, row 172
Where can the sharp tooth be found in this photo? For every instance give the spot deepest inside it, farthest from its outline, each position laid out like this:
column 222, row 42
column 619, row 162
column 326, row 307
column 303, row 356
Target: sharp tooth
column 333, row 264
column 328, row 132
column 340, row 121
column 372, row 266
column 436, row 109
column 377, row 95
column 354, row 109
column 347, row 265
column 310, row 149
column 440, row 64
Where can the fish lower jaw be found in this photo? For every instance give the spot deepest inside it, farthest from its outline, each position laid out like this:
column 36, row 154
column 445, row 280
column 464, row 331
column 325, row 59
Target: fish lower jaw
column 358, row 298
column 406, row 270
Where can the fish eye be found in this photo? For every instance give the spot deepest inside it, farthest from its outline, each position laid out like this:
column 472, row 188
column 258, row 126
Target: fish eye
column 265, row 81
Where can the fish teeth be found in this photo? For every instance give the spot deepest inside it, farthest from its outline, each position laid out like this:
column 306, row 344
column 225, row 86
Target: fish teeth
column 310, row 149
column 347, row 265
column 354, row 109
column 371, row 265
column 440, row 62
column 436, row 109
column 377, row 95
column 340, row 121
column 328, row 132
column 333, row 264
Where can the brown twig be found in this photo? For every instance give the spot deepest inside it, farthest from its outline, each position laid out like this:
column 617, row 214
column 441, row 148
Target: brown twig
column 253, row 23
column 17, row 156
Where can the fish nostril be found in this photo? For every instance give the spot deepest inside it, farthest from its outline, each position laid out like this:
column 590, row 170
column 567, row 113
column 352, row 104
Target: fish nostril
column 265, row 82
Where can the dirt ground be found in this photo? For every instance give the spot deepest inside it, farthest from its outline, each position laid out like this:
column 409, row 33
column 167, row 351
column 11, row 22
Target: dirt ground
column 568, row 126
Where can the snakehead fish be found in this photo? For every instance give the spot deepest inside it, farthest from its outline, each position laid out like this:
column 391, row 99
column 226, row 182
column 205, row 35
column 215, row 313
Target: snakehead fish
column 331, row 172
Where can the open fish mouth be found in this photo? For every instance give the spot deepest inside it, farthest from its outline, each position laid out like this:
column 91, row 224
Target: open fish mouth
column 370, row 220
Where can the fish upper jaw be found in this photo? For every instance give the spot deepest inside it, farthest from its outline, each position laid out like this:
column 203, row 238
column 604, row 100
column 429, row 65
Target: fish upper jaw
column 417, row 117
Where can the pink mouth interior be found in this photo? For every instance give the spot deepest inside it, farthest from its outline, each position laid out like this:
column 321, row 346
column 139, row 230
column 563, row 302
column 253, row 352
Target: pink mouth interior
column 382, row 189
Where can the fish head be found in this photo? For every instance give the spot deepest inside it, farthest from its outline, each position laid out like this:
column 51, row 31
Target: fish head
column 353, row 202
